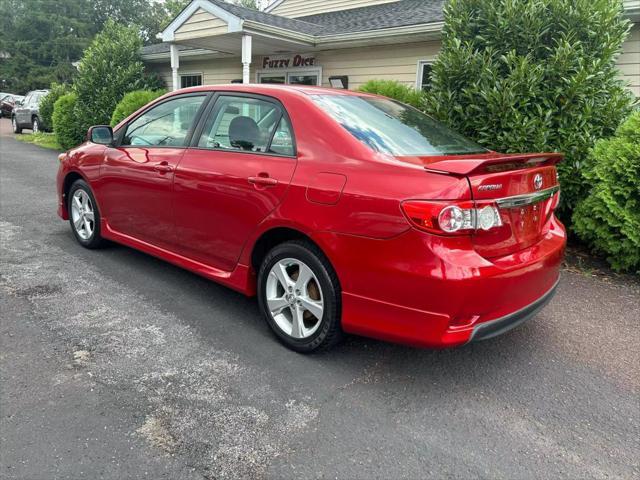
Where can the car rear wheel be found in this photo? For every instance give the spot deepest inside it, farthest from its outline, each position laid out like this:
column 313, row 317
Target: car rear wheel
column 35, row 125
column 84, row 216
column 299, row 296
column 16, row 127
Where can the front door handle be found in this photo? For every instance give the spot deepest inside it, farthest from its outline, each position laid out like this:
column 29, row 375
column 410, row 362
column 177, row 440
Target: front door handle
column 163, row 167
column 263, row 180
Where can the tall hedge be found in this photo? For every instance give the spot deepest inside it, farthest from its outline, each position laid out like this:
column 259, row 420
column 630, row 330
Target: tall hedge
column 533, row 75
column 110, row 67
column 68, row 129
column 46, row 104
column 608, row 220
column 132, row 102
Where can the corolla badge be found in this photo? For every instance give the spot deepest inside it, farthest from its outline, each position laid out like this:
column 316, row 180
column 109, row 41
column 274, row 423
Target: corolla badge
column 537, row 181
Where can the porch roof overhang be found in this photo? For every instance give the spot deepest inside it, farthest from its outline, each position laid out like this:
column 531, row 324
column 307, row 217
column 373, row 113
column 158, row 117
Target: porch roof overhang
column 279, row 35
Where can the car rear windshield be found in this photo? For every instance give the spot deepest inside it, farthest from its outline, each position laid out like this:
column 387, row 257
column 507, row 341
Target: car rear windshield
column 393, row 128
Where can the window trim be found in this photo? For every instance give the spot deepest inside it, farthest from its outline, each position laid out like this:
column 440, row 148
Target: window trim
column 192, row 74
column 421, row 64
column 212, row 109
column 120, row 133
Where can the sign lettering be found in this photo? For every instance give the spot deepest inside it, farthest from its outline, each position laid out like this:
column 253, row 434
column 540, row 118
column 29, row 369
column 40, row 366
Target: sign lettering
column 286, row 62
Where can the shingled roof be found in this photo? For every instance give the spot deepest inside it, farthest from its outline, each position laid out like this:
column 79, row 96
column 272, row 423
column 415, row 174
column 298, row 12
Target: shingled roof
column 376, row 17
column 402, row 13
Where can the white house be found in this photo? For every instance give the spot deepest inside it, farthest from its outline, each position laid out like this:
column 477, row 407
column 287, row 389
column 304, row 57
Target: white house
column 319, row 42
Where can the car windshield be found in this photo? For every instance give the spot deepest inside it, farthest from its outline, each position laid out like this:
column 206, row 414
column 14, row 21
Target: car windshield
column 394, row 128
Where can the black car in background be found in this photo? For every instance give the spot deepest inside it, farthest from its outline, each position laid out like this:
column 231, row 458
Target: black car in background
column 26, row 113
column 7, row 102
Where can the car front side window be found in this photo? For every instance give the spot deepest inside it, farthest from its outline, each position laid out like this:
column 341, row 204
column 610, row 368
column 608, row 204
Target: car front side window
column 165, row 125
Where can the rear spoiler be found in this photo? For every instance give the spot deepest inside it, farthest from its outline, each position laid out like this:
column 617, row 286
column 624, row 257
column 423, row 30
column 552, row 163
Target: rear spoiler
column 498, row 164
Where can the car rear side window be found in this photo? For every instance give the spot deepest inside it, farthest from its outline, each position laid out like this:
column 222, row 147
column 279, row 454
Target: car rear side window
column 249, row 125
column 165, row 125
column 394, row 128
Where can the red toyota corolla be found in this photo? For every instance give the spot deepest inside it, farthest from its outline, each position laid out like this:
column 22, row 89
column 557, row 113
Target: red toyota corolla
column 343, row 212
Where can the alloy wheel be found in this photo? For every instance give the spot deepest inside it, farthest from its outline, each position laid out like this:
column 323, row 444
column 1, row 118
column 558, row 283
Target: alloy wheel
column 294, row 298
column 14, row 124
column 82, row 214
column 36, row 126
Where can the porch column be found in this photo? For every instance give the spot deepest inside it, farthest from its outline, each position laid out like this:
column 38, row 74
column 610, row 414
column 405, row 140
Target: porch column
column 246, row 59
column 175, row 65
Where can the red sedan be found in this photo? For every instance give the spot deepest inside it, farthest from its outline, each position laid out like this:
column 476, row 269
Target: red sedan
column 341, row 211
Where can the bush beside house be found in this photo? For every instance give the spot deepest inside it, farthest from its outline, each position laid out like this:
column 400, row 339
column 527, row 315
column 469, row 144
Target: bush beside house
column 132, row 102
column 533, row 76
column 608, row 220
column 396, row 90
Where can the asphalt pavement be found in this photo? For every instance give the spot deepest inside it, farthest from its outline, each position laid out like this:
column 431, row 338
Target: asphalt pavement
column 117, row 365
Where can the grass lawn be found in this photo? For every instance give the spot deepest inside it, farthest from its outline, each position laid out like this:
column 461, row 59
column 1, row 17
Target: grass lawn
column 45, row 140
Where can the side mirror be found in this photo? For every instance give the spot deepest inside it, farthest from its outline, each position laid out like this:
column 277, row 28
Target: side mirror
column 101, row 134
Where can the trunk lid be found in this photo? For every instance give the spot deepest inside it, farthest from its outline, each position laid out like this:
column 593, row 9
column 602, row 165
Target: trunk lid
column 524, row 188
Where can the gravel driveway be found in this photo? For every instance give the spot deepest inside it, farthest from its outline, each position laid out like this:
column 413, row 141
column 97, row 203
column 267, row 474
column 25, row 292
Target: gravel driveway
column 117, row 365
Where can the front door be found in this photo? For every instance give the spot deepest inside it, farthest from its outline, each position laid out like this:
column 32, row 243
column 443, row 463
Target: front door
column 236, row 174
column 136, row 178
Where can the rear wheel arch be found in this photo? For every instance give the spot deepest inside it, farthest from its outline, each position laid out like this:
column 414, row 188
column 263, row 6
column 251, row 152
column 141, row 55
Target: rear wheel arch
column 276, row 236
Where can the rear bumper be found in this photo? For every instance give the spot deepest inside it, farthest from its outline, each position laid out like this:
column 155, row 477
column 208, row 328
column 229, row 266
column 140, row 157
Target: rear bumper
column 496, row 327
column 429, row 291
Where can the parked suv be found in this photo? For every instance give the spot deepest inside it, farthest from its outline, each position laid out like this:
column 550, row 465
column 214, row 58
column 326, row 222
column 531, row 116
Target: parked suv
column 26, row 113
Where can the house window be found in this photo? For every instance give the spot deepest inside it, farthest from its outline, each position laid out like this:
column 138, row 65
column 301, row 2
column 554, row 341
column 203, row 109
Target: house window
column 424, row 75
column 190, row 80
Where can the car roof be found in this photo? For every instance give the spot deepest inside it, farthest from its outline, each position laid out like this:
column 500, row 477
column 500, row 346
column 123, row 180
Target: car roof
column 270, row 89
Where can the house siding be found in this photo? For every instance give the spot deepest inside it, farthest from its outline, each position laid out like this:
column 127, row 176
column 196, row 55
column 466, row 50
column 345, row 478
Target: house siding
column 629, row 60
column 302, row 8
column 389, row 62
column 200, row 24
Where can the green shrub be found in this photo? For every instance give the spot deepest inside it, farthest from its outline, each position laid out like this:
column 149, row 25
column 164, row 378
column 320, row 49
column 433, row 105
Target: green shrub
column 110, row 68
column 46, row 104
column 68, row 129
column 608, row 220
column 132, row 102
column 533, row 75
column 394, row 89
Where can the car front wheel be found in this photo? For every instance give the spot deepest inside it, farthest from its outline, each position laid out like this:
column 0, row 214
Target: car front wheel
column 35, row 126
column 299, row 295
column 16, row 127
column 84, row 216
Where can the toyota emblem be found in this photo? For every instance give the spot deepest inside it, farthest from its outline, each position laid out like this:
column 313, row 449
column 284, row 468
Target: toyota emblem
column 537, row 181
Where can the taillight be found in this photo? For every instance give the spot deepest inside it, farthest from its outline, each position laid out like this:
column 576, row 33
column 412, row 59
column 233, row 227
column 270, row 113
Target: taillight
column 452, row 218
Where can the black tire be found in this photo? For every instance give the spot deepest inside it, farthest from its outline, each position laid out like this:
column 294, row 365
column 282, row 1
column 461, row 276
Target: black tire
column 17, row 129
column 94, row 240
column 329, row 332
column 35, row 125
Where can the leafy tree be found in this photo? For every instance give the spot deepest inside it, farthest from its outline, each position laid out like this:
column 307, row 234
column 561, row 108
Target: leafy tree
column 110, row 67
column 609, row 218
column 46, row 104
column 394, row 89
column 41, row 39
column 132, row 102
column 533, row 75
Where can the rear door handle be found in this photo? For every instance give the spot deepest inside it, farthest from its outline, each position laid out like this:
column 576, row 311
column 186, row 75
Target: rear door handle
column 267, row 181
column 163, row 167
